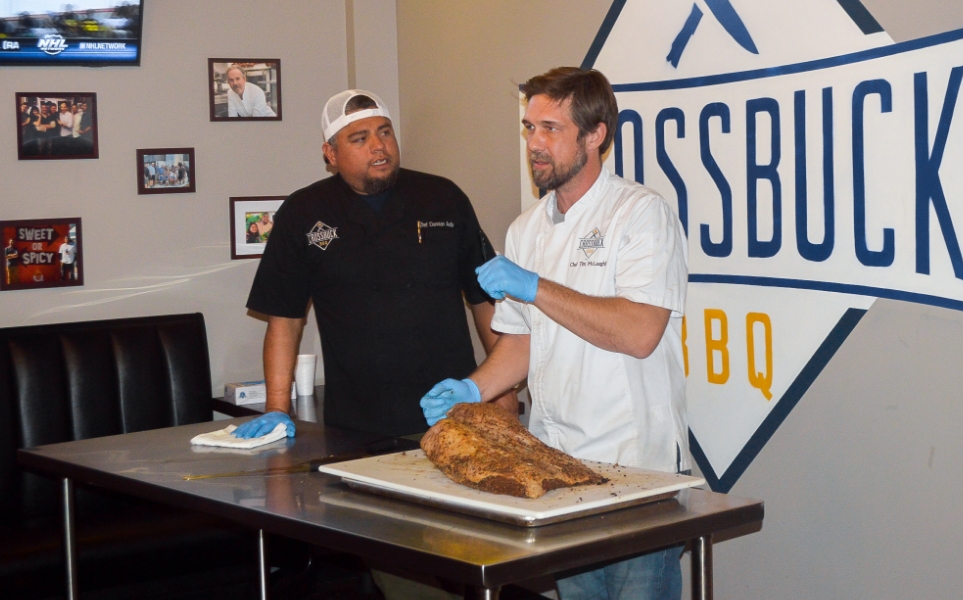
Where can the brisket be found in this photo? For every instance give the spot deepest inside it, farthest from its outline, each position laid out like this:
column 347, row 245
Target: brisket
column 482, row 446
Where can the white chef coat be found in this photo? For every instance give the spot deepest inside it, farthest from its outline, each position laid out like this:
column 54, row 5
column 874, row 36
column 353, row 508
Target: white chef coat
column 254, row 103
column 620, row 239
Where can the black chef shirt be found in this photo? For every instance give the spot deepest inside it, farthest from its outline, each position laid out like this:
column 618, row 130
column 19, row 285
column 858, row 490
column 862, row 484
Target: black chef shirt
column 388, row 302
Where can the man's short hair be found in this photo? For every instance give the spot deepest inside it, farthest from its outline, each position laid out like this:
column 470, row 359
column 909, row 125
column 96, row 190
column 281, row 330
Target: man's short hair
column 591, row 96
column 238, row 68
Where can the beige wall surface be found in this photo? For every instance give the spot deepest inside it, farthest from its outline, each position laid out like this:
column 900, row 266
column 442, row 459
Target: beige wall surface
column 862, row 482
column 158, row 254
column 459, row 65
column 919, row 18
column 374, row 53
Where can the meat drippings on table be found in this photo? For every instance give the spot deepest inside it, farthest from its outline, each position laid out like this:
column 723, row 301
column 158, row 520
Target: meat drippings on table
column 482, row 446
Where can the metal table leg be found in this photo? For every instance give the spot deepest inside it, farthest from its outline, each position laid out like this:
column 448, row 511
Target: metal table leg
column 263, row 562
column 70, row 541
column 483, row 593
column 702, row 568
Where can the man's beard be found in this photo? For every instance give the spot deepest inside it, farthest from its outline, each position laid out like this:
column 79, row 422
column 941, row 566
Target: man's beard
column 558, row 176
column 373, row 186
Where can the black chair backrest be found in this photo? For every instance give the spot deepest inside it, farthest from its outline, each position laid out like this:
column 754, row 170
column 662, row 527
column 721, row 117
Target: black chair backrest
column 72, row 381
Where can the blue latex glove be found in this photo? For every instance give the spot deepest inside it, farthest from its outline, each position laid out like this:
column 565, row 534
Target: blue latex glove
column 439, row 400
column 264, row 425
column 500, row 276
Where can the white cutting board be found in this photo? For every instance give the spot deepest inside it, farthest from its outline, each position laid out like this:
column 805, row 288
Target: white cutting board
column 411, row 476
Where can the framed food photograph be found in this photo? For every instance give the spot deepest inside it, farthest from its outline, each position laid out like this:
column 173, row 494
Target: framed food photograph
column 252, row 219
column 166, row 171
column 41, row 253
column 56, row 125
column 244, row 89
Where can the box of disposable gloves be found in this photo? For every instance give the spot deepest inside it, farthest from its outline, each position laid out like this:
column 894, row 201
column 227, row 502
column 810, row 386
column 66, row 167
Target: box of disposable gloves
column 249, row 392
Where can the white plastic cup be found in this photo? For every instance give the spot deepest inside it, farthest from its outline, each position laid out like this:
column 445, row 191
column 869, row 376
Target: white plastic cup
column 304, row 374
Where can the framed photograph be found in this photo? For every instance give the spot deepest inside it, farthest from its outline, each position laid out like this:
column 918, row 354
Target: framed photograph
column 252, row 219
column 56, row 125
column 166, row 171
column 244, row 89
column 41, row 253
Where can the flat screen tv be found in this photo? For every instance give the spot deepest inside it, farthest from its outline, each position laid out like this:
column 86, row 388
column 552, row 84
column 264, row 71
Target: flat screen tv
column 89, row 33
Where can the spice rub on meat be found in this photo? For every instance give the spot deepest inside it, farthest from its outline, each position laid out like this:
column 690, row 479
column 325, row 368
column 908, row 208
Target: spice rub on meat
column 482, row 446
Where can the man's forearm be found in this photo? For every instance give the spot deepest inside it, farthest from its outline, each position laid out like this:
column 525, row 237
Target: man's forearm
column 482, row 315
column 506, row 366
column 281, row 343
column 613, row 324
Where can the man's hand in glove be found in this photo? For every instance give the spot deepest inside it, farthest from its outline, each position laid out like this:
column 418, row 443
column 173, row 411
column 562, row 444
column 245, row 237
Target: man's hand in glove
column 264, row 425
column 500, row 276
column 439, row 400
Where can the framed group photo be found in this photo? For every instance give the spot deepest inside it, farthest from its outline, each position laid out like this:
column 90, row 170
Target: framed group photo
column 41, row 253
column 252, row 219
column 166, row 171
column 244, row 89
column 56, row 125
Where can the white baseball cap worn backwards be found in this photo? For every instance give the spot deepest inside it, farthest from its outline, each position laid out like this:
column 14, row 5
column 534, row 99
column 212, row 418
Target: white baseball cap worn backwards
column 334, row 118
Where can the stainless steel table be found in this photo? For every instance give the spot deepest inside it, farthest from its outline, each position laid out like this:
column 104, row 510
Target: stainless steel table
column 320, row 509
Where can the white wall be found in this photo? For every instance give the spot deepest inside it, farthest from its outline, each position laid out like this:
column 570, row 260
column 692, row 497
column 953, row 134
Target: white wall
column 159, row 254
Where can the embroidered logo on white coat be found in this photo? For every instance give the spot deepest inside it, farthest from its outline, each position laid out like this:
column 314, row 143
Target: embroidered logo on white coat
column 321, row 235
column 592, row 242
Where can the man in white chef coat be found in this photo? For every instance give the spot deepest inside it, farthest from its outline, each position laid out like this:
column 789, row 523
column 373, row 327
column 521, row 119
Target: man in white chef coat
column 593, row 284
column 245, row 99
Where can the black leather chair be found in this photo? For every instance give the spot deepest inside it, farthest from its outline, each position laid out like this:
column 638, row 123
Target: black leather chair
column 73, row 381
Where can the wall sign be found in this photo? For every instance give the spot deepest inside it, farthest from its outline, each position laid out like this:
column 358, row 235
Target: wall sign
column 41, row 253
column 813, row 174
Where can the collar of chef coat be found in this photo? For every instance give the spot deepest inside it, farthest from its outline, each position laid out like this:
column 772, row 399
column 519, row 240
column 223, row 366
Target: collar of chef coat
column 371, row 221
column 587, row 202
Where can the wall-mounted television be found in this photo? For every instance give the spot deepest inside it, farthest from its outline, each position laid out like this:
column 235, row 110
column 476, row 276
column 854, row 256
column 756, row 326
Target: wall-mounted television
column 89, row 33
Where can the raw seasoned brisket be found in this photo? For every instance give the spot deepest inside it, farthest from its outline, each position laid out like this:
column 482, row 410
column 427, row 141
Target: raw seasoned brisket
column 482, row 446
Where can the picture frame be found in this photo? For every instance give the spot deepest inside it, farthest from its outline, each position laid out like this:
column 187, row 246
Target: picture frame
column 38, row 253
column 46, row 125
column 244, row 89
column 166, row 171
column 252, row 219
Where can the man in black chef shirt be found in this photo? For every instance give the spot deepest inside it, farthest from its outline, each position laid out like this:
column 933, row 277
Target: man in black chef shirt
column 385, row 255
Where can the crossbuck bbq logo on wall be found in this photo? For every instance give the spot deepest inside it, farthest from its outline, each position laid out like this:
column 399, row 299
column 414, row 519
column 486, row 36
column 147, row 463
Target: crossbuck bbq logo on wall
column 321, row 235
column 812, row 173
column 591, row 243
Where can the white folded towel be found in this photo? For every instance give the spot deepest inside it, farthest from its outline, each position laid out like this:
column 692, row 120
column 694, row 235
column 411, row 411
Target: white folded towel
column 224, row 438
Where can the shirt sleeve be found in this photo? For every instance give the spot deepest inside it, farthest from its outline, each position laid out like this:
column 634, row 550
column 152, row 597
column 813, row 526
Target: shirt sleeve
column 232, row 103
column 475, row 250
column 511, row 316
column 282, row 284
column 652, row 257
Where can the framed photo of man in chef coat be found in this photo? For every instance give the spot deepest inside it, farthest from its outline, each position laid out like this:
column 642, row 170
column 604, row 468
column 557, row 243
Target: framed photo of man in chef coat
column 244, row 89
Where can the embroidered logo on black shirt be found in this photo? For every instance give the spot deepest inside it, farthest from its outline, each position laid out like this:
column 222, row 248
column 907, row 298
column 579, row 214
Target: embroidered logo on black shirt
column 592, row 242
column 321, row 235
